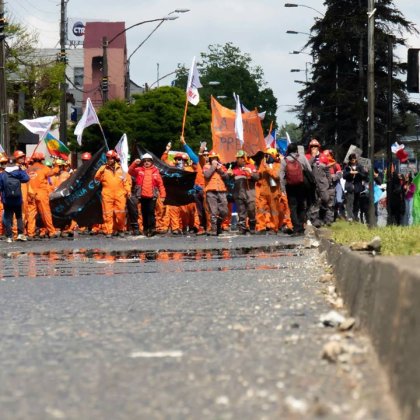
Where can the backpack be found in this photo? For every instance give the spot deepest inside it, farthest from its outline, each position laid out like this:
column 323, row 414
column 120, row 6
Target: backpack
column 294, row 172
column 12, row 188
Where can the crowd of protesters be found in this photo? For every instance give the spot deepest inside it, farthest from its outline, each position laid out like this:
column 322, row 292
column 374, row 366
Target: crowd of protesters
column 266, row 194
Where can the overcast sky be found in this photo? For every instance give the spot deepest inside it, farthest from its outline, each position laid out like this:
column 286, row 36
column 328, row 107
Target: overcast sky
column 256, row 27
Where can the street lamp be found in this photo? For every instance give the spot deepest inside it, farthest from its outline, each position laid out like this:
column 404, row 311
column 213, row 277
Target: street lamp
column 303, row 5
column 106, row 43
column 169, row 17
column 296, row 32
column 299, row 52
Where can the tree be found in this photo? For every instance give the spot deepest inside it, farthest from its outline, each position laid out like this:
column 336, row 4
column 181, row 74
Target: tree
column 154, row 119
column 334, row 103
column 234, row 73
column 294, row 131
column 28, row 72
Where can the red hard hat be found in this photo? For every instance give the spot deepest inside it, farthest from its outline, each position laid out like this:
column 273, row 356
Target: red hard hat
column 18, row 154
column 38, row 156
column 111, row 154
column 86, row 156
column 178, row 155
column 314, row 142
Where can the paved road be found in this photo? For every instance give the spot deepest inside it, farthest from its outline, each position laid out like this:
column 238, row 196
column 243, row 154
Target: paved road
column 176, row 328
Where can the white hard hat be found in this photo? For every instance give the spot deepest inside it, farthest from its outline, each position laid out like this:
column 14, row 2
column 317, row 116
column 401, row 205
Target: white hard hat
column 147, row 156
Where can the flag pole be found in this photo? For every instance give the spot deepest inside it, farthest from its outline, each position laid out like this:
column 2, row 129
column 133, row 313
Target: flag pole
column 103, row 134
column 185, row 116
column 271, row 127
column 42, row 138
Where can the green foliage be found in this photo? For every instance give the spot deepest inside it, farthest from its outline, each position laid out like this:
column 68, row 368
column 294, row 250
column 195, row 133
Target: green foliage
column 26, row 72
column 334, row 101
column 154, row 119
column 395, row 240
column 234, row 73
column 295, row 132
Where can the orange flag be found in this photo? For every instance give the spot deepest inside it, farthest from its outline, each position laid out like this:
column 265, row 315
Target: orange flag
column 224, row 139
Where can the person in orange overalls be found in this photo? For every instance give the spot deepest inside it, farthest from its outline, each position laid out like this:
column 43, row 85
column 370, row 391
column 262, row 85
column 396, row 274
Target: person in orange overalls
column 116, row 187
column 188, row 213
column 38, row 195
column 215, row 175
column 268, row 193
column 245, row 176
column 173, row 217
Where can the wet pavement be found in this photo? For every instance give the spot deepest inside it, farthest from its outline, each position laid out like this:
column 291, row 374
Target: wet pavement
column 177, row 328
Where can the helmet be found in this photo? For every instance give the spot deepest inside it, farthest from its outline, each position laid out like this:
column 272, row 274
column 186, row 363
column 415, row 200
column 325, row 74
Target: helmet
column 38, row 156
column 111, row 154
column 18, row 154
column 60, row 162
column 86, row 156
column 185, row 157
column 314, row 142
column 3, row 159
column 241, row 154
column 213, row 154
column 49, row 163
column 179, row 155
column 147, row 156
column 272, row 152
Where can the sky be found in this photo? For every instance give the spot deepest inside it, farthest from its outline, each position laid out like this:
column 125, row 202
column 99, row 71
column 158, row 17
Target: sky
column 256, row 27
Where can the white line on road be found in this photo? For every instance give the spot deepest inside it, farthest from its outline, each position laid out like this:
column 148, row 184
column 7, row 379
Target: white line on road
column 156, row 354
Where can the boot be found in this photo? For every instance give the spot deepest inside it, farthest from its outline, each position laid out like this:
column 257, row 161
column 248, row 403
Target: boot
column 252, row 224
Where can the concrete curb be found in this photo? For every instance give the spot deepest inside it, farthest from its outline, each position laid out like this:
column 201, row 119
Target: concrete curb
column 383, row 294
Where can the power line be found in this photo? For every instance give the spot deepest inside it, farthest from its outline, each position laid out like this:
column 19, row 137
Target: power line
column 39, row 10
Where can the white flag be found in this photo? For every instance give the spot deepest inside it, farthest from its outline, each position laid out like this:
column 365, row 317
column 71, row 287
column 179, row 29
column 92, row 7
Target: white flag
column 193, row 84
column 39, row 126
column 239, row 127
column 260, row 114
column 288, row 138
column 89, row 117
column 122, row 149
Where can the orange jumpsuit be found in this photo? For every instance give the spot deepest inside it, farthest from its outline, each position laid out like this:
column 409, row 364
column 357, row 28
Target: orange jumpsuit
column 38, row 197
column 268, row 193
column 116, row 186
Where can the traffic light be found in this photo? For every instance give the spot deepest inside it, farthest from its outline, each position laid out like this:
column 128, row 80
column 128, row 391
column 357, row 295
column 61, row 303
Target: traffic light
column 104, row 84
column 413, row 70
column 3, row 25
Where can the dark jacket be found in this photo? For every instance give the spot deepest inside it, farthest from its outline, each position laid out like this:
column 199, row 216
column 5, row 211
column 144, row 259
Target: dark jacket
column 354, row 181
column 15, row 172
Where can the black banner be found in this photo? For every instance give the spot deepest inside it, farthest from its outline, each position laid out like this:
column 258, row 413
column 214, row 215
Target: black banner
column 179, row 184
column 79, row 197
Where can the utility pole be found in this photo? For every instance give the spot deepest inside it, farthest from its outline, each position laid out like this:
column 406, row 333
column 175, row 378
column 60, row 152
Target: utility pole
column 371, row 107
column 63, row 85
column 4, row 127
column 389, row 130
column 104, row 83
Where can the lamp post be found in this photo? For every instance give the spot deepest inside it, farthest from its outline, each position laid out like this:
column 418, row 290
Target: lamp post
column 299, row 52
column 303, row 5
column 371, row 106
column 297, row 32
column 169, row 17
column 106, row 43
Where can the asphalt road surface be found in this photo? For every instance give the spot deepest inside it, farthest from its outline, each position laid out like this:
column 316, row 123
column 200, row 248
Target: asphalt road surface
column 177, row 328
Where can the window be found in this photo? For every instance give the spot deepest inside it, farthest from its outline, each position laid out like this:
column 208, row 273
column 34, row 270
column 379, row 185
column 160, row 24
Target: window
column 78, row 77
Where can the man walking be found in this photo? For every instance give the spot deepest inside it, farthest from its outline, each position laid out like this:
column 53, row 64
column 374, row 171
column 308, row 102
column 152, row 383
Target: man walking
column 11, row 197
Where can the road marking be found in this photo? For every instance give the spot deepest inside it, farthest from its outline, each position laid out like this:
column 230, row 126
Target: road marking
column 156, row 354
